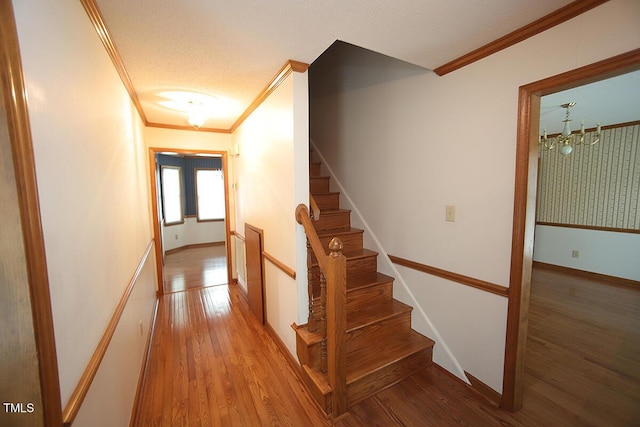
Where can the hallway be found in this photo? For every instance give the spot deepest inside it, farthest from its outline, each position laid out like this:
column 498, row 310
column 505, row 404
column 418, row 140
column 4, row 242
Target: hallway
column 208, row 366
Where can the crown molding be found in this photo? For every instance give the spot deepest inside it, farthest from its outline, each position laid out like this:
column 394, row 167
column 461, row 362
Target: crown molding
column 551, row 20
column 289, row 67
column 183, row 127
column 100, row 26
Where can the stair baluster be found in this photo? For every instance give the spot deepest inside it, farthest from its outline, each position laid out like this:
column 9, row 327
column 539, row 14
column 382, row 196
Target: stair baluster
column 323, row 323
column 312, row 324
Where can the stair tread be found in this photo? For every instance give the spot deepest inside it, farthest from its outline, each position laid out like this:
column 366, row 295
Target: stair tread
column 354, row 254
column 367, row 279
column 325, row 193
column 333, row 211
column 358, row 367
column 372, row 314
column 337, row 232
column 359, row 253
column 307, row 336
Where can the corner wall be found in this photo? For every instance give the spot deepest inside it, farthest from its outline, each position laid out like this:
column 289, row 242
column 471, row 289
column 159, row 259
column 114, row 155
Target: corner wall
column 91, row 168
column 270, row 172
column 406, row 143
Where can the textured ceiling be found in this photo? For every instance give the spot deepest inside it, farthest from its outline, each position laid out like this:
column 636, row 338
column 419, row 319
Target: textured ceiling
column 232, row 49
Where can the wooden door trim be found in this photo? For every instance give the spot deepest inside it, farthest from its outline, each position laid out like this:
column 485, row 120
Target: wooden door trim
column 525, row 205
column 14, row 91
column 155, row 208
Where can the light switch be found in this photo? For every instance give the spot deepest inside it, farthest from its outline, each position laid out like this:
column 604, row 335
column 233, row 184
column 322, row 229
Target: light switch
column 450, row 213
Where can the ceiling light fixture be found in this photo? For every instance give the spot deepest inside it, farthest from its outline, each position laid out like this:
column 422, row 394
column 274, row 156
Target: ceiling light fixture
column 198, row 107
column 196, row 114
column 567, row 138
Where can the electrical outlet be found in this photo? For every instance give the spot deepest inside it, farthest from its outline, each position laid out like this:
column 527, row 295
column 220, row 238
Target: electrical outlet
column 575, row 254
column 176, row 237
column 450, row 214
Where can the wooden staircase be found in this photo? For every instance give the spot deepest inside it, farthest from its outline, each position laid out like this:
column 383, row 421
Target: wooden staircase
column 381, row 349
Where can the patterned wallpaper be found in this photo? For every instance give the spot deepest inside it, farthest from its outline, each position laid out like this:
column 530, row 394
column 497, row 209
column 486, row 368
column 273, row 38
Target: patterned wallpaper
column 595, row 186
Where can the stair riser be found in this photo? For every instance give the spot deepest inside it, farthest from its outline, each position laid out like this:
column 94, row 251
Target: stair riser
column 368, row 338
column 334, row 221
column 308, row 354
column 328, row 201
column 366, row 297
column 315, row 169
column 368, row 264
column 387, row 376
column 355, row 267
column 324, row 400
column 351, row 241
column 319, row 184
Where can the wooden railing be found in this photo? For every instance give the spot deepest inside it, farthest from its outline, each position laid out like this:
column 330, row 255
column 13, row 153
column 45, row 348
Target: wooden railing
column 327, row 308
column 315, row 210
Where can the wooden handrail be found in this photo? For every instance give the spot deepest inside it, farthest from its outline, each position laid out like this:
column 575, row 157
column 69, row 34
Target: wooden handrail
column 281, row 265
column 302, row 216
column 333, row 310
column 315, row 209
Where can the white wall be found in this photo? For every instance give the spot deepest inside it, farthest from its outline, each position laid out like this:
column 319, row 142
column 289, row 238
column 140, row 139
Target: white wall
column 115, row 381
column 604, row 252
column 406, row 143
column 186, row 140
column 270, row 141
column 192, row 232
column 92, row 175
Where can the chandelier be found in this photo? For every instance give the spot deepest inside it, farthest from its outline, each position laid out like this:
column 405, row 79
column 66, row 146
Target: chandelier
column 566, row 140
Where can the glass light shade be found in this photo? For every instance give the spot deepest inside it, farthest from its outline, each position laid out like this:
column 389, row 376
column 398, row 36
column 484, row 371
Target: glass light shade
column 566, row 149
column 196, row 118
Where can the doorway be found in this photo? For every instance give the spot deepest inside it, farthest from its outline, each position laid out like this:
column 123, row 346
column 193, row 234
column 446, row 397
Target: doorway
column 525, row 208
column 192, row 239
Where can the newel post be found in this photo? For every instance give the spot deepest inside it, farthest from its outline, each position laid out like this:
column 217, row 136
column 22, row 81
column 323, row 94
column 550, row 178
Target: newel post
column 336, row 274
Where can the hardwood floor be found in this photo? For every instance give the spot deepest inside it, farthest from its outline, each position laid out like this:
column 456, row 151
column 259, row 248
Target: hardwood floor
column 212, row 363
column 195, row 267
column 582, row 366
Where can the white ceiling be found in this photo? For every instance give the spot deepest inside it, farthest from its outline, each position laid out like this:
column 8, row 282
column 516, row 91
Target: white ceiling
column 232, row 49
column 612, row 101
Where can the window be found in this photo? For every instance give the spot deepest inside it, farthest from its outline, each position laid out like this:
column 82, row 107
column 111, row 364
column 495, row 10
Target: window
column 209, row 194
column 172, row 195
